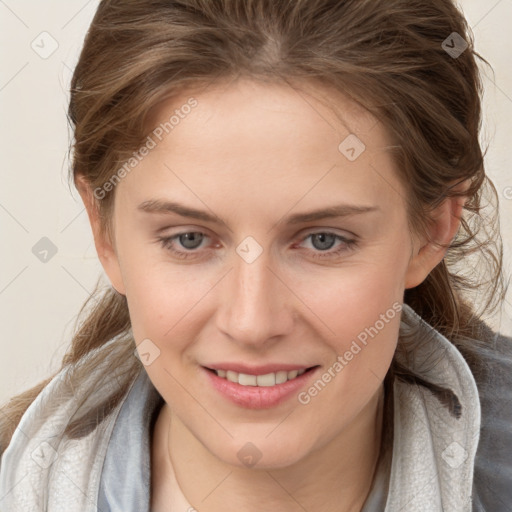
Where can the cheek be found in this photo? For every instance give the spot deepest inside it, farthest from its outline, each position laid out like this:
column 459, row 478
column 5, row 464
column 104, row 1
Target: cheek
column 352, row 298
column 360, row 309
column 160, row 293
column 160, row 309
column 366, row 333
column 363, row 348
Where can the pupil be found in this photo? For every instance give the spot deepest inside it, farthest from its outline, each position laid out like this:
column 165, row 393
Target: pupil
column 189, row 240
column 322, row 237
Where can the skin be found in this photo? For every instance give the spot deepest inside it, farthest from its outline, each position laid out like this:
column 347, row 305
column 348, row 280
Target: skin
column 253, row 154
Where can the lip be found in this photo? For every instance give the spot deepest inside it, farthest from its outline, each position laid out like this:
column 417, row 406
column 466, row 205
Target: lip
column 258, row 397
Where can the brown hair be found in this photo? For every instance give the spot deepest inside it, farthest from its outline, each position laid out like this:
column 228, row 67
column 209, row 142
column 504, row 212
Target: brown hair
column 387, row 55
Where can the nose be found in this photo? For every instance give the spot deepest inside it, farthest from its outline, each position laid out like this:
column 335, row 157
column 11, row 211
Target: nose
column 256, row 306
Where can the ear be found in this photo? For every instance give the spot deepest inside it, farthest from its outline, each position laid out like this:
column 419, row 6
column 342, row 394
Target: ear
column 427, row 254
column 105, row 247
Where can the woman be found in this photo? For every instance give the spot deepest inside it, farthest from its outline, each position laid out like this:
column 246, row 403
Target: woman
column 286, row 199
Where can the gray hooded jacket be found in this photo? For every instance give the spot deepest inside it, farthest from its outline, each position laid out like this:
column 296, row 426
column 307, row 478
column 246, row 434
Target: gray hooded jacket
column 447, row 454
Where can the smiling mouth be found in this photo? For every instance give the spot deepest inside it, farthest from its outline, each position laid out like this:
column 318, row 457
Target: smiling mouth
column 267, row 380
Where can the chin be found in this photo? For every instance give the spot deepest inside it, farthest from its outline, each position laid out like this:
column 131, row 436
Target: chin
column 261, row 453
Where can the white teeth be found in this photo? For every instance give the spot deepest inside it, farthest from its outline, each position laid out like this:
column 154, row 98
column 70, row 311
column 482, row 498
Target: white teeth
column 232, row 376
column 269, row 379
column 247, row 380
column 266, row 380
column 281, row 376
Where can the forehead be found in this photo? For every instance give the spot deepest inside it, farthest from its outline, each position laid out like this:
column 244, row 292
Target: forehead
column 277, row 139
column 312, row 108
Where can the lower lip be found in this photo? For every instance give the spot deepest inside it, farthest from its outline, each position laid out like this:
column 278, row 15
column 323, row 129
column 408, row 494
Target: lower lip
column 258, row 397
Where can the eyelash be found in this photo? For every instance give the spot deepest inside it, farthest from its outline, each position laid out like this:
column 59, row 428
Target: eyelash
column 348, row 244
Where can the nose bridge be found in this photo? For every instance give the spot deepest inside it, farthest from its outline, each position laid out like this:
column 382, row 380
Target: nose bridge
column 254, row 307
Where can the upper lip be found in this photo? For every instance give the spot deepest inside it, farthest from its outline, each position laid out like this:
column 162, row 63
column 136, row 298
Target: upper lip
column 257, row 370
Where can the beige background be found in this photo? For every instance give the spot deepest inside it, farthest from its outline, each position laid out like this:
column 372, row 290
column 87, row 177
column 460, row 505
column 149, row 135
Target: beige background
column 39, row 301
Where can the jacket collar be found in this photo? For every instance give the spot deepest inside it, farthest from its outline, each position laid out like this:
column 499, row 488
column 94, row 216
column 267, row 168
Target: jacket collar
column 432, row 458
column 433, row 449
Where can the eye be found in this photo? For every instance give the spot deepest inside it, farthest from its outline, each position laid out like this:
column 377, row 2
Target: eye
column 190, row 240
column 322, row 241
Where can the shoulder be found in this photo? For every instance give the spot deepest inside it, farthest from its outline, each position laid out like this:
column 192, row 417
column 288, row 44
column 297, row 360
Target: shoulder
column 66, row 430
column 493, row 461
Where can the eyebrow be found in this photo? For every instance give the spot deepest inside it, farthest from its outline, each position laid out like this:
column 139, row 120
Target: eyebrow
column 342, row 210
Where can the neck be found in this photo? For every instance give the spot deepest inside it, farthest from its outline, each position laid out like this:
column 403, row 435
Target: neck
column 335, row 477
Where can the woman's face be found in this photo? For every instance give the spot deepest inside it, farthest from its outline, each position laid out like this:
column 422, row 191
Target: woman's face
column 264, row 282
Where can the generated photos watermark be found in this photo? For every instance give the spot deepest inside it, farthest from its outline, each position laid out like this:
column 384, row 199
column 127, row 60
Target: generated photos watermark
column 151, row 143
column 304, row 397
